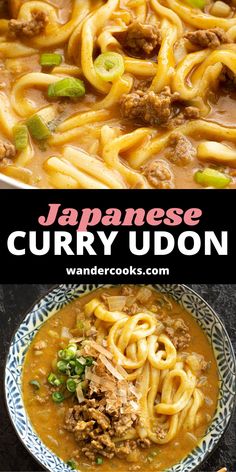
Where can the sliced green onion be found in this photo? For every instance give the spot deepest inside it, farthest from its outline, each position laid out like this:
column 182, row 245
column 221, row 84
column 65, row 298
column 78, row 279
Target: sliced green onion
column 48, row 60
column 109, row 66
column 54, row 380
column 99, row 460
column 68, row 353
column 72, row 464
column 212, row 178
column 79, row 368
column 89, row 361
column 197, row 3
column 69, row 87
column 20, row 136
column 38, row 128
column 62, row 366
column 35, row 384
column 58, row 397
column 71, row 385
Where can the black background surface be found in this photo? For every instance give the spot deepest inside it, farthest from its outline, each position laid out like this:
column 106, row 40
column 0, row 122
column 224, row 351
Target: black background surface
column 23, row 210
column 16, row 300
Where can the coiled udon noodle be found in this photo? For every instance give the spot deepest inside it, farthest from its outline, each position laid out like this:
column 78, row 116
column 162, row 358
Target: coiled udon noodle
column 166, row 383
column 91, row 148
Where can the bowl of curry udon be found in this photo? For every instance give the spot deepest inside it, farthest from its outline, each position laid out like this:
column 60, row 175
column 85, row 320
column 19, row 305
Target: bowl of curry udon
column 120, row 377
column 118, row 93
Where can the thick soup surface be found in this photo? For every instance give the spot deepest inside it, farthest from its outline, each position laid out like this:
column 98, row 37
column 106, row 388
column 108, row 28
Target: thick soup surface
column 149, row 438
column 118, row 93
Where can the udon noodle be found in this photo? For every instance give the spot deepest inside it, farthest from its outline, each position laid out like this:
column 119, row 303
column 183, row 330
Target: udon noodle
column 163, row 118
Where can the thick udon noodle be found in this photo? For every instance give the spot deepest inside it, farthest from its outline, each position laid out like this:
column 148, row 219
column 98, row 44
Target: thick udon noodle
column 151, row 360
column 92, row 147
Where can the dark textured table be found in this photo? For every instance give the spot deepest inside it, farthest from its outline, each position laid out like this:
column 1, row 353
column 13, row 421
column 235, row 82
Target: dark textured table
column 15, row 301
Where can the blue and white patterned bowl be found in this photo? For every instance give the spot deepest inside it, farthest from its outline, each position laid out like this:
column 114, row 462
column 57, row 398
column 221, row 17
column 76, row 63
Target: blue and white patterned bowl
column 64, row 294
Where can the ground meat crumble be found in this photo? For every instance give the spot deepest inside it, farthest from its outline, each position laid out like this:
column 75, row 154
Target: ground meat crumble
column 150, row 107
column 159, row 175
column 7, row 153
column 181, row 149
column 178, row 332
column 210, row 38
column 28, row 28
column 142, row 38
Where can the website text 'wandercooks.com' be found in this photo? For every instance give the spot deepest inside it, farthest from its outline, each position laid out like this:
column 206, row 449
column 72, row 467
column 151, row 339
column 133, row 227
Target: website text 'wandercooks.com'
column 95, row 270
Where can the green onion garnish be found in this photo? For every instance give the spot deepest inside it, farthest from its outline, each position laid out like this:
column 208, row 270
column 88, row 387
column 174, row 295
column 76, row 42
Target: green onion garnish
column 197, row 3
column 99, row 460
column 38, row 128
column 62, row 366
column 68, row 353
column 20, row 136
column 89, row 361
column 109, row 66
column 54, row 380
column 212, row 178
column 50, row 59
column 71, row 385
column 58, row 397
column 72, row 464
column 79, row 368
column 69, row 87
column 35, row 384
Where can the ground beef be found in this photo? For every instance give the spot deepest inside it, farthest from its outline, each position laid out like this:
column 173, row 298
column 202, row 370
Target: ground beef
column 210, row 38
column 96, row 429
column 227, row 79
column 159, row 175
column 29, row 28
column 191, row 113
column 181, row 149
column 149, row 107
column 142, row 38
column 7, row 150
column 178, row 332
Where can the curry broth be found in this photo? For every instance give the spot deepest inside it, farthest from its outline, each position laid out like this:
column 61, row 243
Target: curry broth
column 47, row 417
column 36, row 170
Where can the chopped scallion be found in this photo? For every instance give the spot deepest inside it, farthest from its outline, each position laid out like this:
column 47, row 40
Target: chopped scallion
column 68, row 353
column 62, row 366
column 50, row 59
column 35, row 384
column 72, row 464
column 212, row 178
column 20, row 136
column 54, row 380
column 109, row 66
column 89, row 361
column 99, row 460
column 38, row 128
column 68, row 87
column 197, row 3
column 58, row 397
column 71, row 385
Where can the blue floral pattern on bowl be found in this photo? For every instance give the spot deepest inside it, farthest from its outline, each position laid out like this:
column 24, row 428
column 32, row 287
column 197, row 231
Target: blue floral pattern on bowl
column 64, row 294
